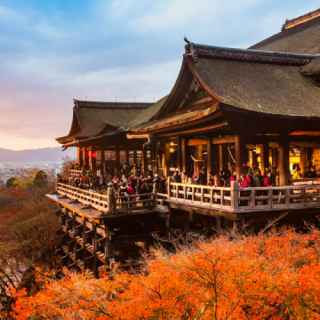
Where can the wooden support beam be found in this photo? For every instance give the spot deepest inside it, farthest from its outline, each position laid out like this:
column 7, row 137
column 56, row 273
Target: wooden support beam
column 184, row 154
column 103, row 160
column 179, row 154
column 80, row 156
column 284, row 174
column 86, row 158
column 198, row 130
column 196, row 142
column 220, row 156
column 117, row 161
column 224, row 140
column 265, row 156
column 238, row 154
column 144, row 162
column 209, row 159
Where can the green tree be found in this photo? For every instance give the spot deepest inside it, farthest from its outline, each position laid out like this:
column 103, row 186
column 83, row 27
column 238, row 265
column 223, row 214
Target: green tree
column 40, row 180
column 12, row 182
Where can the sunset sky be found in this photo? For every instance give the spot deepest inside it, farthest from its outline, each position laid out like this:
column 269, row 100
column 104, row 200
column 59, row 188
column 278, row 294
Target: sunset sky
column 57, row 50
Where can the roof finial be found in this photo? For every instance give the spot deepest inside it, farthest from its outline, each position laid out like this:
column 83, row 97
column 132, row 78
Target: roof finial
column 186, row 40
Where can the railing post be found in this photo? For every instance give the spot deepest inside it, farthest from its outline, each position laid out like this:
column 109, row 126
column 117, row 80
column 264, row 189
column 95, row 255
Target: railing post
column 111, row 200
column 234, row 195
column 154, row 191
column 270, row 198
column 168, row 187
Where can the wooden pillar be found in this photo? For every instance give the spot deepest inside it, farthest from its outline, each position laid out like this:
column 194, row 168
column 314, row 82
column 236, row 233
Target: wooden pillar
column 86, row 158
column 103, row 160
column 179, row 155
column 220, row 155
column 166, row 168
column 91, row 160
column 284, row 174
column 265, row 157
column 154, row 159
column 135, row 158
column 304, row 161
column 184, row 155
column 238, row 154
column 209, row 158
column 144, row 165
column 117, row 161
column 80, row 156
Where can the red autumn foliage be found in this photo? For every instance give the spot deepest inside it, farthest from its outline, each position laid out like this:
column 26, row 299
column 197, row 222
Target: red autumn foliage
column 275, row 276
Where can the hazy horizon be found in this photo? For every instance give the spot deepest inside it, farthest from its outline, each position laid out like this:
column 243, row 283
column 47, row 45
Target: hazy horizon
column 54, row 51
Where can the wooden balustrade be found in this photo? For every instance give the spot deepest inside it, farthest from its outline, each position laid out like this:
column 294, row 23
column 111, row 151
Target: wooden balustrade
column 203, row 196
column 101, row 202
column 279, row 198
column 89, row 198
column 237, row 200
column 75, row 173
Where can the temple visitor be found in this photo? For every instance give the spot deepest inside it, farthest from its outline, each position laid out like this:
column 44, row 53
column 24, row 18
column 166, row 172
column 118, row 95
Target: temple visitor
column 176, row 177
column 202, row 179
column 256, row 177
column 245, row 179
column 266, row 179
column 296, row 172
column 311, row 172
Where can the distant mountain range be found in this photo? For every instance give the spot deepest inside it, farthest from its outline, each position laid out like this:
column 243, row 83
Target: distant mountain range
column 35, row 155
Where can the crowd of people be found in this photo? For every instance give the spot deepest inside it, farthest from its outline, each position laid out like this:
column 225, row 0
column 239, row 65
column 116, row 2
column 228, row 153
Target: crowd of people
column 250, row 177
column 132, row 180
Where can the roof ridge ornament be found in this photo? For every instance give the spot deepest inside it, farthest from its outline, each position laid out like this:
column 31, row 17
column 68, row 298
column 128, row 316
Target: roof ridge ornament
column 190, row 50
column 197, row 51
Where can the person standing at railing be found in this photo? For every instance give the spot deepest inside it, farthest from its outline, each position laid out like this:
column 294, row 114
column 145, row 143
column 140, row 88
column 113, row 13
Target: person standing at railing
column 202, row 179
column 245, row 180
column 266, row 179
column 176, row 177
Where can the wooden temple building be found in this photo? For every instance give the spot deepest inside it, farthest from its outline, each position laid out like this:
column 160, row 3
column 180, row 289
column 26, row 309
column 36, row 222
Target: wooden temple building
column 229, row 110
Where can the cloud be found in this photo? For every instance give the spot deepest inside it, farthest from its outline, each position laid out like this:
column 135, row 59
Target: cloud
column 52, row 51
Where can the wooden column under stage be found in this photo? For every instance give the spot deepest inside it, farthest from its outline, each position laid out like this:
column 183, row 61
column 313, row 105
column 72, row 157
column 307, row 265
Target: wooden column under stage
column 284, row 173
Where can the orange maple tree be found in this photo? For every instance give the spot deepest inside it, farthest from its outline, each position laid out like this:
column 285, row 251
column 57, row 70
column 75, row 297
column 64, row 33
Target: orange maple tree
column 275, row 276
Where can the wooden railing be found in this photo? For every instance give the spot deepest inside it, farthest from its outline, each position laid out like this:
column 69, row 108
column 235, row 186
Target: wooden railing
column 237, row 200
column 202, row 196
column 107, row 203
column 75, row 173
column 86, row 197
column 278, row 198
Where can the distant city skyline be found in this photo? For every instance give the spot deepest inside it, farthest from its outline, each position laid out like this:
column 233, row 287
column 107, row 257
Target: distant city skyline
column 54, row 51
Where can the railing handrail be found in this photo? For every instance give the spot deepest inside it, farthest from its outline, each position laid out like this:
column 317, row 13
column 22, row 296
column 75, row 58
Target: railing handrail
column 191, row 185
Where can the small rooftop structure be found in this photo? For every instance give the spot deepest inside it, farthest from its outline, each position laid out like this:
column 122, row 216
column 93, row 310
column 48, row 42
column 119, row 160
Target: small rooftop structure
column 301, row 34
column 92, row 118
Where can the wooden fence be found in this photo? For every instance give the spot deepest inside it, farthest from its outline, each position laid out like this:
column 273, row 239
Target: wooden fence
column 237, row 200
column 108, row 203
column 75, row 173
